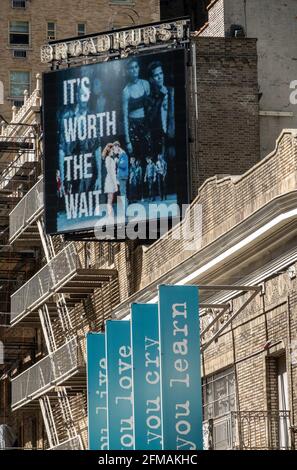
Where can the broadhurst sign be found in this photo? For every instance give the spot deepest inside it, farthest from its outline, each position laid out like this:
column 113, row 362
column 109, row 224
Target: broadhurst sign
column 153, row 376
column 121, row 41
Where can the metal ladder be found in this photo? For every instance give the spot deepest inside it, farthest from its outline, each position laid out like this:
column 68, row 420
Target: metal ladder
column 67, row 327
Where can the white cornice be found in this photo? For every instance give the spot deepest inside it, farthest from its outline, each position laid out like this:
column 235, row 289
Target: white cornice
column 221, row 257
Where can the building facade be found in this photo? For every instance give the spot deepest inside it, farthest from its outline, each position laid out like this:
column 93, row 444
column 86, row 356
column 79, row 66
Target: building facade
column 276, row 55
column 25, row 25
column 195, row 9
column 55, row 291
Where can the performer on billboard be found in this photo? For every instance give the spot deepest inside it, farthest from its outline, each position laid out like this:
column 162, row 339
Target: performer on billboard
column 99, row 104
column 161, row 110
column 161, row 171
column 135, row 97
column 65, row 148
column 150, row 177
column 110, row 183
column 60, row 190
column 139, row 180
column 69, row 147
column 122, row 171
column 133, row 180
column 100, row 98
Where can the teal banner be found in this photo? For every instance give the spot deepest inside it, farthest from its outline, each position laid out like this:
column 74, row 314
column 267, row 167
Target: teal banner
column 146, row 377
column 119, row 385
column 180, row 367
column 96, row 383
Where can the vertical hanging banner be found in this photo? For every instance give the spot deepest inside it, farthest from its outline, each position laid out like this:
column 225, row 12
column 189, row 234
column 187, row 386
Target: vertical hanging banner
column 96, row 383
column 119, row 385
column 180, row 367
column 146, row 377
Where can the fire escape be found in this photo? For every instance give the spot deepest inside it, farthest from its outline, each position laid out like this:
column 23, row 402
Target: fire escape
column 47, row 299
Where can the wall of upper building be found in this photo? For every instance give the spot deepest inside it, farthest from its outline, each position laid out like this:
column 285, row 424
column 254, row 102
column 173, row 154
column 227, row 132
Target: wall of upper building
column 273, row 23
column 27, row 24
column 227, row 115
column 195, row 9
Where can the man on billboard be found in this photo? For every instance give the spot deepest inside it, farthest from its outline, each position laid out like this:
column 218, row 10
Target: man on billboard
column 150, row 178
column 122, row 172
column 161, row 110
column 161, row 171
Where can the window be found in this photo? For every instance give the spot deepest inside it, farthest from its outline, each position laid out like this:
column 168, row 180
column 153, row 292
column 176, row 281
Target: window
column 19, row 33
column 127, row 2
column 18, row 103
column 81, row 29
column 51, row 30
column 18, row 3
column 219, row 394
column 19, row 53
column 19, row 82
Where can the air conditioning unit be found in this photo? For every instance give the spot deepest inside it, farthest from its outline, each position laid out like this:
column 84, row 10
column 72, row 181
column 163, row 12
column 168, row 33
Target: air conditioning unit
column 236, row 31
column 19, row 53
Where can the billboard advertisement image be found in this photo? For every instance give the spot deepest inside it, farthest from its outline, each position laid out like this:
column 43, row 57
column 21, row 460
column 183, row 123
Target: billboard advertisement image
column 115, row 141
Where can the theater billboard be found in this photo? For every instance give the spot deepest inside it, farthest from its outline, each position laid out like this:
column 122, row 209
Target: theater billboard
column 115, row 142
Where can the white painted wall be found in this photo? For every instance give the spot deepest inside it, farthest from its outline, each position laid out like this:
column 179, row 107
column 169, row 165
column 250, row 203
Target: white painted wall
column 274, row 24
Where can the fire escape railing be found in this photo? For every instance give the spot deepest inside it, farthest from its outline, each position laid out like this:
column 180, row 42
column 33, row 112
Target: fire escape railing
column 26, row 211
column 17, row 165
column 249, row 430
column 45, row 282
column 50, row 371
column 71, row 444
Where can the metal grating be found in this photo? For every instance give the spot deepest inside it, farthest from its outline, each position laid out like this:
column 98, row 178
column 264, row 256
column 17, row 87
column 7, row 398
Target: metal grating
column 45, row 374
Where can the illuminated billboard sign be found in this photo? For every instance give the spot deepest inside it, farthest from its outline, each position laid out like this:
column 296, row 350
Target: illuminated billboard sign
column 120, row 41
column 115, row 142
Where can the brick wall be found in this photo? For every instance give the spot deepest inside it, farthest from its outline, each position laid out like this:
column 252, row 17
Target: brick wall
column 216, row 26
column 98, row 15
column 227, row 130
column 225, row 203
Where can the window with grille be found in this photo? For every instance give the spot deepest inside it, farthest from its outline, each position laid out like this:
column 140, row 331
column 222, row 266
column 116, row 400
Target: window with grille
column 19, row 33
column 19, row 54
column 51, row 31
column 19, row 82
column 17, row 103
column 18, row 3
column 123, row 2
column 81, row 29
column 219, row 394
